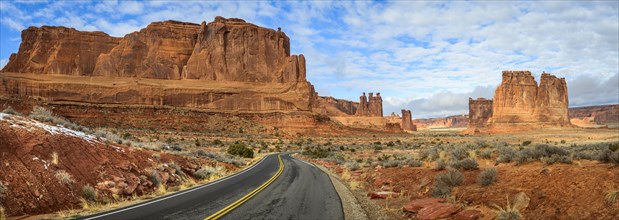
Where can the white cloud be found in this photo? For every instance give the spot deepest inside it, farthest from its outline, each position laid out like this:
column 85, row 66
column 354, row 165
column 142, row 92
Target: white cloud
column 130, row 7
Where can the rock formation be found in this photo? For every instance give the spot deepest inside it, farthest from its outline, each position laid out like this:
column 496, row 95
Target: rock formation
column 226, row 65
column 480, row 111
column 455, row 121
column 371, row 106
column 407, row 121
column 335, row 107
column 595, row 116
column 59, row 50
column 160, row 51
column 520, row 104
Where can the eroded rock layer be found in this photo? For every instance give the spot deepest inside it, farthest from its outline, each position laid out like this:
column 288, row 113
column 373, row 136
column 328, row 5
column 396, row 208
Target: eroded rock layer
column 407, row 121
column 227, row 65
column 480, row 111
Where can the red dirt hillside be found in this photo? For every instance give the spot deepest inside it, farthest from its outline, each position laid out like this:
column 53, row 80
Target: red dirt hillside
column 35, row 157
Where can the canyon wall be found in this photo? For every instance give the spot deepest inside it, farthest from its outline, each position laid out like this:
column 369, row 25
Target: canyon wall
column 225, row 65
column 335, row 107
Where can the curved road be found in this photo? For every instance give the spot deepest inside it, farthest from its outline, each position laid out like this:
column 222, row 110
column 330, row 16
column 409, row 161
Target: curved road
column 302, row 191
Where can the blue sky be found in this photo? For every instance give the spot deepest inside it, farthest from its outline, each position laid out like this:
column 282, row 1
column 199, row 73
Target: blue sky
column 425, row 56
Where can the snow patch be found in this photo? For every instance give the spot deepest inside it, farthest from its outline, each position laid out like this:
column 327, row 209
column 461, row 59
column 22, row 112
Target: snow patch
column 29, row 124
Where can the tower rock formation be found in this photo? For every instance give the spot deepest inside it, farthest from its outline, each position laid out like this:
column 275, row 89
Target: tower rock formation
column 407, row 121
column 226, row 65
column 371, row 106
column 520, row 104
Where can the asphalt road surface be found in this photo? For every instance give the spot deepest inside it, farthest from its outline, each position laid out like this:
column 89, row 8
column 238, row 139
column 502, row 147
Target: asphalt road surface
column 302, row 191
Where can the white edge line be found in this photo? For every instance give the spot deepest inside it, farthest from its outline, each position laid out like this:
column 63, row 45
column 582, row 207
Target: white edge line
column 303, row 161
column 179, row 193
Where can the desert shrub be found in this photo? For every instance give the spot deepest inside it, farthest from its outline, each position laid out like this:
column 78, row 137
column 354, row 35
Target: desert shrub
column 10, row 110
column 510, row 214
column 413, row 163
column 525, row 143
column 506, row 154
column 3, row 190
column 316, row 153
column 352, row 166
column 217, row 142
column 89, row 193
column 468, row 164
column 177, row 169
column 444, row 182
column 430, row 154
column 64, row 177
column 459, row 153
column 390, row 163
column 487, row 177
column 390, row 144
column 613, row 147
column 240, row 150
column 608, row 156
column 440, row 165
column 486, row 154
column 611, row 196
column 555, row 158
column 204, row 172
column 154, row 177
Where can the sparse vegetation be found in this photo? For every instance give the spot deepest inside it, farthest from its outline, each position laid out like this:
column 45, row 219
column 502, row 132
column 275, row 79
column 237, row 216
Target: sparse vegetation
column 241, row 150
column 526, row 143
column 445, row 181
column 487, row 177
column 467, row 164
column 154, row 177
column 10, row 110
column 205, row 172
column 440, row 165
column 3, row 189
column 611, row 196
column 64, row 177
column 54, row 158
column 352, row 166
column 89, row 193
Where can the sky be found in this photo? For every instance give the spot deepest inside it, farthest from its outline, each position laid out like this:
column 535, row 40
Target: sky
column 429, row 57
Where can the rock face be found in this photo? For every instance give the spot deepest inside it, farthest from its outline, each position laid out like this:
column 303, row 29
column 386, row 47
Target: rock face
column 407, row 121
column 446, row 122
column 160, row 51
column 335, row 107
column 519, row 104
column 371, row 106
column 59, row 50
column 480, row 111
column 227, row 65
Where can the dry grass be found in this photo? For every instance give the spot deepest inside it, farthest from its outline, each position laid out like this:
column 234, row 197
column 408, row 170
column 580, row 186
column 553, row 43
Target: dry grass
column 2, row 217
column 64, row 177
column 55, row 158
column 611, row 196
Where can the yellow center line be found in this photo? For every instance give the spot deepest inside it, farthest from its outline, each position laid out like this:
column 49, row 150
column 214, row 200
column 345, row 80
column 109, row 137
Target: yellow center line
column 237, row 203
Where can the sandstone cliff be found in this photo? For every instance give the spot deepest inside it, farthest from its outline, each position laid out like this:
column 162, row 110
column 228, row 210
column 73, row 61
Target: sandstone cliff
column 59, row 50
column 160, row 51
column 227, row 65
column 455, row 121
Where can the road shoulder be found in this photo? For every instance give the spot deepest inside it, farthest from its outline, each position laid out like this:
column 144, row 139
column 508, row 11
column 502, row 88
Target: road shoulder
column 352, row 208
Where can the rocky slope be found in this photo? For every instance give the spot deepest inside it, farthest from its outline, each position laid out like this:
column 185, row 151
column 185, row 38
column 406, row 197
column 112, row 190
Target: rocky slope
column 226, row 65
column 455, row 121
column 36, row 156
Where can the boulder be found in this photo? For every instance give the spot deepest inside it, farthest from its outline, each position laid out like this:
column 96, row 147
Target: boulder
column 437, row 211
column 468, row 214
column 418, row 204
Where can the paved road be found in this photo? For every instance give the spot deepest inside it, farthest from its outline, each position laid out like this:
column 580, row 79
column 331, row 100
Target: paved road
column 301, row 192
